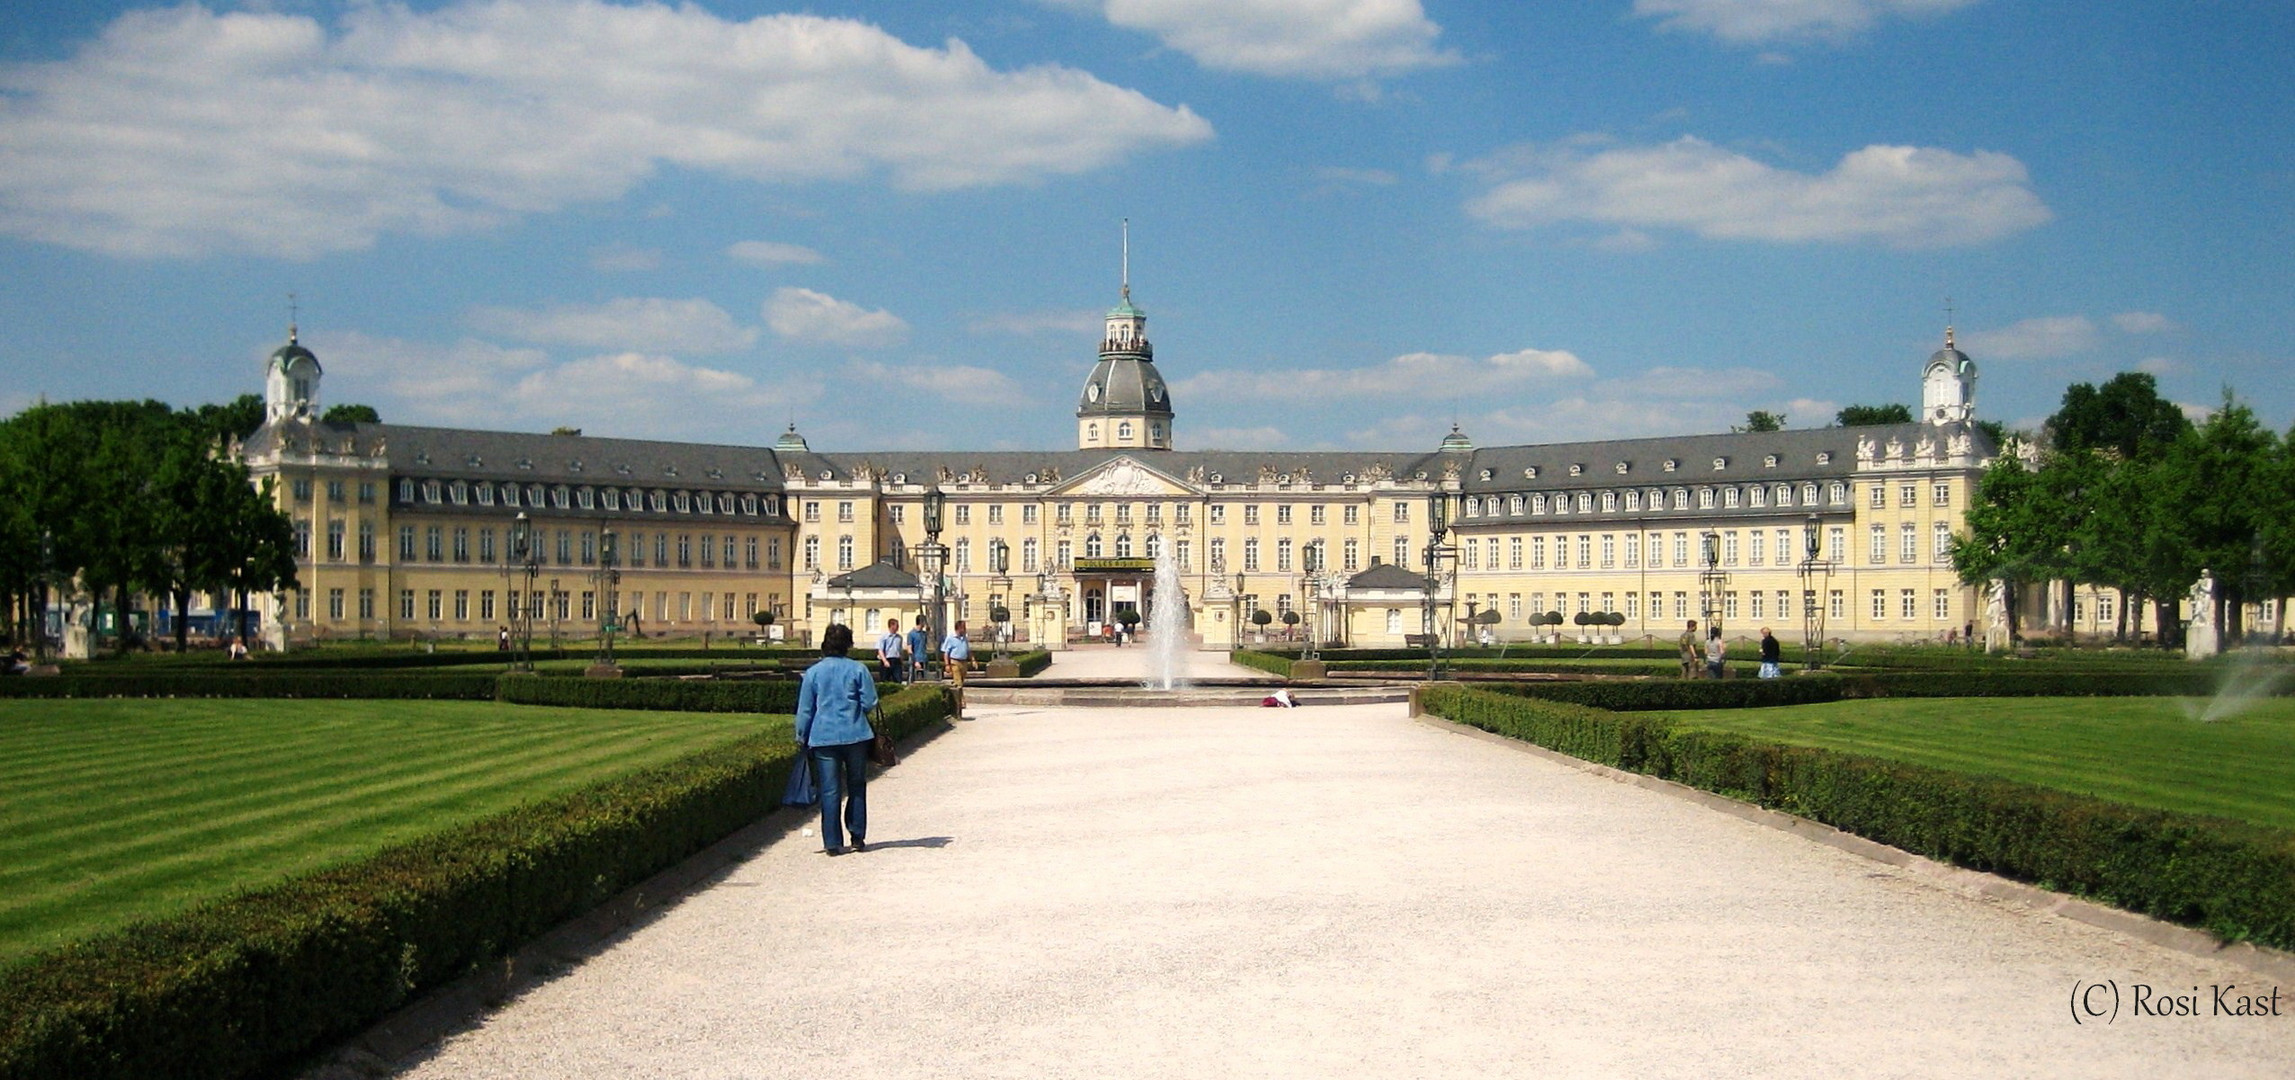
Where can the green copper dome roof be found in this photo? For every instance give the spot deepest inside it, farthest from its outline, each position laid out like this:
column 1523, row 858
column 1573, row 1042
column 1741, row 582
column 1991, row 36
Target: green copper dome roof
column 1125, row 309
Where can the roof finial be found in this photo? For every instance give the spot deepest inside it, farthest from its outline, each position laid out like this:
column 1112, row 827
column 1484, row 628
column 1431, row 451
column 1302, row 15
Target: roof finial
column 1127, row 260
column 1948, row 311
column 292, row 311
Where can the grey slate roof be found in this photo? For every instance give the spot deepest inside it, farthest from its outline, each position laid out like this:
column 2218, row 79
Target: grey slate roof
column 876, row 575
column 572, row 459
column 1798, row 454
column 1389, row 577
column 1129, row 385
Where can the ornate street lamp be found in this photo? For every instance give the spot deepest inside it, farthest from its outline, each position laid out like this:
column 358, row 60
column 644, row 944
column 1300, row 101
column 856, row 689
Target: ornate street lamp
column 1813, row 568
column 526, row 557
column 1712, row 579
column 1438, row 525
column 935, row 506
column 1000, row 564
column 1311, row 565
column 609, row 576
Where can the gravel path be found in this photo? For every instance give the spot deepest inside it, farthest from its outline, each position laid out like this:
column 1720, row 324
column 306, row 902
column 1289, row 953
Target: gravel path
column 1334, row 892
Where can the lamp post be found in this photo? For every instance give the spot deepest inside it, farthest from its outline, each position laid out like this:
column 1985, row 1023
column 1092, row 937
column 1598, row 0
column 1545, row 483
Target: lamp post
column 1712, row 579
column 935, row 505
column 526, row 557
column 1438, row 526
column 47, row 582
column 1311, row 566
column 1000, row 565
column 1812, row 612
column 609, row 576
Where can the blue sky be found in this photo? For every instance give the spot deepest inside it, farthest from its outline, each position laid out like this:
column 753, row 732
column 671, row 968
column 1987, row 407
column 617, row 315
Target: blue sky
column 1353, row 221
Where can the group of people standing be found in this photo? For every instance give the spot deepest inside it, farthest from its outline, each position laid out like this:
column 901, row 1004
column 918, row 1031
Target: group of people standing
column 1713, row 664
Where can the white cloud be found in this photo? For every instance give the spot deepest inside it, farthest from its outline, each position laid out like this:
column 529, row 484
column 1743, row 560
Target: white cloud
column 1027, row 323
column 1899, row 196
column 952, row 382
column 771, row 253
column 613, row 258
column 627, row 323
column 2142, row 322
column 1418, row 375
column 183, row 131
column 1751, row 21
column 805, row 315
column 478, row 384
column 1316, row 39
column 2043, row 338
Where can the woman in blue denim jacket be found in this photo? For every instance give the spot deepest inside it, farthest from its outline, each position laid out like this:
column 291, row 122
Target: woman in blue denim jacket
column 833, row 704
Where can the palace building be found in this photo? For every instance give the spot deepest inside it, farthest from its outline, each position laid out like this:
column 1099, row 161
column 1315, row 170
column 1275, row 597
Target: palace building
column 407, row 531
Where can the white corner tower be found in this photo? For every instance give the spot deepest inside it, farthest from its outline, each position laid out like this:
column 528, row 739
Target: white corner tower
column 1948, row 385
column 291, row 382
column 1125, row 402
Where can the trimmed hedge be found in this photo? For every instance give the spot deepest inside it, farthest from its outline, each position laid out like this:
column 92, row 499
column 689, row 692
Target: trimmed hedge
column 249, row 683
column 672, row 695
column 1271, row 663
column 1033, row 662
column 2232, row 878
column 248, row 985
column 1668, row 694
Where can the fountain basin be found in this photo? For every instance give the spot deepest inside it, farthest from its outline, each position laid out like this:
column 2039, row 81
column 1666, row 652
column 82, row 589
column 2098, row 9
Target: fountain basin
column 1124, row 693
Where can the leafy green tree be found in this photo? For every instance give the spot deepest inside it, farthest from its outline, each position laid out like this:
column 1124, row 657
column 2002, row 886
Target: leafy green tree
column 1873, row 415
column 2126, row 416
column 347, row 413
column 236, row 419
column 2214, row 482
column 2018, row 530
column 1763, row 420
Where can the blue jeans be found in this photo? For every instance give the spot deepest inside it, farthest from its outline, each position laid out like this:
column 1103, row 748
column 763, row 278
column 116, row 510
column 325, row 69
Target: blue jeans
column 842, row 774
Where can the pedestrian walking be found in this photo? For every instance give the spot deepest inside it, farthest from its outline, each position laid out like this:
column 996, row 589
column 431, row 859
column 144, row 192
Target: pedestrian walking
column 833, row 736
column 1772, row 655
column 502, row 639
column 889, row 651
column 1715, row 649
column 1689, row 651
column 916, row 644
column 956, row 652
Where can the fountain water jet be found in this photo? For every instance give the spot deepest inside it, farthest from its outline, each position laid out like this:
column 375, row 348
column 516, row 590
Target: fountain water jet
column 1167, row 623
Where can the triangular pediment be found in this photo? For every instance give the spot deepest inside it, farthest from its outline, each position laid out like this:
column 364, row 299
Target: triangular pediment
column 1125, row 477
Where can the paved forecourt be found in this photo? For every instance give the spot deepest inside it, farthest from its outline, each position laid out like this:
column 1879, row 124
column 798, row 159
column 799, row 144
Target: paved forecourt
column 1334, row 892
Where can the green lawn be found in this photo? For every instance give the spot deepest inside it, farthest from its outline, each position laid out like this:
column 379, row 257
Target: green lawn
column 2142, row 751
column 112, row 811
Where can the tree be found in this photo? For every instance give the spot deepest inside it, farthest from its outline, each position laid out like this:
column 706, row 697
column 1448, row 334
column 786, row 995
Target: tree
column 2017, row 530
column 257, row 553
column 235, row 420
column 194, row 491
column 1763, row 420
column 1873, row 415
column 2215, row 480
column 2126, row 415
column 347, row 413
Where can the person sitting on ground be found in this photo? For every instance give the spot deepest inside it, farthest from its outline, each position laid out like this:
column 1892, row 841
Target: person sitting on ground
column 1715, row 649
column 889, row 651
column 1280, row 699
column 1689, row 651
column 833, row 736
column 18, row 663
column 239, row 648
column 1772, row 655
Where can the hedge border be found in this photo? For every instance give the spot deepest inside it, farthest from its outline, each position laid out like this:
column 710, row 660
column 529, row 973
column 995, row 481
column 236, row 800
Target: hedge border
column 250, row 984
column 1645, row 695
column 2231, row 878
column 458, row 686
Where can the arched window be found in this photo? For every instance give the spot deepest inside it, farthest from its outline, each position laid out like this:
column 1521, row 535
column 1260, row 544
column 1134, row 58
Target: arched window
column 1092, row 546
column 1092, row 431
column 1154, row 545
column 1124, row 430
column 1123, row 545
column 1705, row 498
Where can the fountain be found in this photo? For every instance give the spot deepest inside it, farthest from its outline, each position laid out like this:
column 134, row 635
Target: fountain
column 1167, row 624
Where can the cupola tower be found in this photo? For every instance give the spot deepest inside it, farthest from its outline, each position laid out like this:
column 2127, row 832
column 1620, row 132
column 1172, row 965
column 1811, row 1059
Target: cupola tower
column 1948, row 385
column 291, row 382
column 1125, row 402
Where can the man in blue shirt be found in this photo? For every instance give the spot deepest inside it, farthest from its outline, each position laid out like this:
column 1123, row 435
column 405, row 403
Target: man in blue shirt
column 916, row 643
column 889, row 651
column 833, row 733
column 957, row 653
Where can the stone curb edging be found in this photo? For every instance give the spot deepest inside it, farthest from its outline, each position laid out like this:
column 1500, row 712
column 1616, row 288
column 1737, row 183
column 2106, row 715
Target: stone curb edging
column 2261, row 959
column 393, row 1042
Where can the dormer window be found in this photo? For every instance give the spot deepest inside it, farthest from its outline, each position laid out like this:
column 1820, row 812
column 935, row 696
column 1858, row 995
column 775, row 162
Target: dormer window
column 613, row 498
column 430, row 490
column 1729, row 498
column 458, row 493
column 1530, row 473
column 683, row 501
column 1537, row 505
column 1720, row 463
column 558, row 497
column 1769, row 461
column 1485, row 474
column 526, row 464
column 1672, row 463
column 485, row 494
column 574, row 466
column 1577, row 469
column 585, row 498
column 1824, row 457
column 1623, row 468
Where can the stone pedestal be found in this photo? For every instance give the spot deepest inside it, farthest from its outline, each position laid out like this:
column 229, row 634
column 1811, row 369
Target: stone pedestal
column 43, row 671
column 602, row 671
column 79, row 644
column 1004, row 668
column 1308, row 671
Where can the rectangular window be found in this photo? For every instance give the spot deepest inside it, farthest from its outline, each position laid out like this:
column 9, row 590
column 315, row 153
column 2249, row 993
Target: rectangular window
column 565, row 547
column 684, row 607
column 773, row 553
column 335, row 605
column 485, row 545
column 1753, row 548
column 1251, row 555
column 406, row 543
column 1402, row 551
column 589, row 549
column 1585, row 551
column 1251, row 514
column 589, row 606
column 1538, row 553
column 406, row 604
column 1908, row 495
column 1316, row 515
column 1351, row 515
column 1633, row 550
column 435, row 605
column 485, row 605
column 709, row 608
column 708, row 552
column 1908, row 543
column 1352, row 553
column 1784, row 604
column 845, row 554
column 1880, row 604
column 1729, row 604
column 1729, row 548
column 1402, row 513
column 1942, row 495
column 1514, row 605
column 1880, row 497
column 366, row 541
column 996, row 513
column 1757, row 611
column 1609, row 550
column 462, row 543
column 1681, row 549
column 1836, row 605
column 1837, row 544
column 1941, row 608
column 684, row 550
column 1943, row 545
column 1681, row 605
column 461, row 605
column 963, row 513
column 1879, row 548
column 335, row 541
column 1028, row 513
column 1184, row 552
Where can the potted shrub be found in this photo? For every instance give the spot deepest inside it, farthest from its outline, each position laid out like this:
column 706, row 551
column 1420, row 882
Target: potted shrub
column 1582, row 620
column 1260, row 619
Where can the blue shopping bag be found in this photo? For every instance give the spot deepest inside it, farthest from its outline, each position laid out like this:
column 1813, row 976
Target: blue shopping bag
column 801, row 790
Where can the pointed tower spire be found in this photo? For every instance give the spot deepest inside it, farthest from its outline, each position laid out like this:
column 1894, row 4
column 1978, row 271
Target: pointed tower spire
column 293, row 310
column 1127, row 260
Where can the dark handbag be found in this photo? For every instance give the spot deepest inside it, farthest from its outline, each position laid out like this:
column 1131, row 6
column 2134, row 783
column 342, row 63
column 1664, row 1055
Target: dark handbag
column 801, row 791
column 881, row 750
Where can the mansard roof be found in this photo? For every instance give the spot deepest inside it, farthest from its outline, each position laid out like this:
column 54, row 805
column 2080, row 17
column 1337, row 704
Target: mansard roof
column 1743, row 457
column 1388, row 577
column 575, row 459
column 876, row 575
column 1198, row 467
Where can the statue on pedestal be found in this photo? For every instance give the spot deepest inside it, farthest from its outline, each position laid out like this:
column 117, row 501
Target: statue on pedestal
column 2202, row 637
column 1996, row 636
